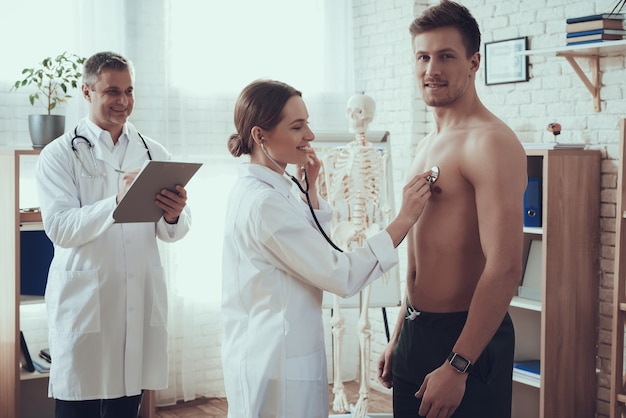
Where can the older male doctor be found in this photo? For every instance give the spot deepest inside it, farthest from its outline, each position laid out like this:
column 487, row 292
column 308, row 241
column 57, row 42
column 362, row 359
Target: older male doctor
column 106, row 295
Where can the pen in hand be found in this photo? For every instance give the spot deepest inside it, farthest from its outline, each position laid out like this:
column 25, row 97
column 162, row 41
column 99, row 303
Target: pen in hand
column 127, row 180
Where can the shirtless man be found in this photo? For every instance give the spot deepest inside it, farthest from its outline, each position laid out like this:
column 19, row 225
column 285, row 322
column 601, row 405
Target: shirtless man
column 451, row 353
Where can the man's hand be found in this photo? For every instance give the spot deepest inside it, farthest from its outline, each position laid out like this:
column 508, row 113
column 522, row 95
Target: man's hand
column 441, row 392
column 385, row 376
column 127, row 180
column 172, row 203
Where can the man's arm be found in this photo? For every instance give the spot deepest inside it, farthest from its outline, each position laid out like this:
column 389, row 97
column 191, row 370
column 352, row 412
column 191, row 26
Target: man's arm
column 499, row 178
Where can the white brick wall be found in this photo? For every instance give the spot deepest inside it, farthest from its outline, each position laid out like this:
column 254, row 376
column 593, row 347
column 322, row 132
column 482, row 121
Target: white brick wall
column 554, row 93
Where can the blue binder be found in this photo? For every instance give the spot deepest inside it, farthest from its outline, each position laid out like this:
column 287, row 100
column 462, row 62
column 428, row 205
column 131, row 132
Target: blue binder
column 532, row 202
column 36, row 251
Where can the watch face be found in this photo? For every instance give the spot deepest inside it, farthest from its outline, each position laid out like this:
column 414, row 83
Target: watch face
column 459, row 363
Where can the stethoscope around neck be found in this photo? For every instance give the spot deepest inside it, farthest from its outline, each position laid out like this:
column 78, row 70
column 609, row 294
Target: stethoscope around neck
column 305, row 191
column 89, row 144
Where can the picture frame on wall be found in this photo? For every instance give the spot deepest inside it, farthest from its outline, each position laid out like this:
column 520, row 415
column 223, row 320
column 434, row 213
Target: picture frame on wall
column 504, row 63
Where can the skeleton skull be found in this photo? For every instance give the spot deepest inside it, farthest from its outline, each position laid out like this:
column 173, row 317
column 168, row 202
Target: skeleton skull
column 360, row 112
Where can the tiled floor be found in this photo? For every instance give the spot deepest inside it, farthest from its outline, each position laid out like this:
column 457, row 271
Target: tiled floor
column 217, row 407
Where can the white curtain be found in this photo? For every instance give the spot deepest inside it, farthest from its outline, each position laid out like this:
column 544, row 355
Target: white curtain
column 192, row 58
column 215, row 49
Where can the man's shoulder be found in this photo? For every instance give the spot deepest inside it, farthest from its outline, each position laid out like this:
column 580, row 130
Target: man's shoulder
column 493, row 134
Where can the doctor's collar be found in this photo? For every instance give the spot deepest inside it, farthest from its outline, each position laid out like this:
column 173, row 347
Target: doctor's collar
column 98, row 132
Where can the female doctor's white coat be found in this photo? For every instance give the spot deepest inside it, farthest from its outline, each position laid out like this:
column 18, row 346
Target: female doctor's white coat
column 106, row 294
column 275, row 266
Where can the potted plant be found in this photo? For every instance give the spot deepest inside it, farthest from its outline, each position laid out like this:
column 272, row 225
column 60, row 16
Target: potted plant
column 53, row 77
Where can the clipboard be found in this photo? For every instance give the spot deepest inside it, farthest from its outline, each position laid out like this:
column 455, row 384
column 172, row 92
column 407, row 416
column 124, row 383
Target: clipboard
column 138, row 203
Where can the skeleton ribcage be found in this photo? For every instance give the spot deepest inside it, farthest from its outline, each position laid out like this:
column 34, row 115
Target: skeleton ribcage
column 354, row 183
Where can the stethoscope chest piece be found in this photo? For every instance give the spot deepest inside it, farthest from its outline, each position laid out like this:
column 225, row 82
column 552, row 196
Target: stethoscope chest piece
column 434, row 175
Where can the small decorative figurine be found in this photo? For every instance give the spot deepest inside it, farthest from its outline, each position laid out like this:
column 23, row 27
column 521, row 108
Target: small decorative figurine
column 555, row 128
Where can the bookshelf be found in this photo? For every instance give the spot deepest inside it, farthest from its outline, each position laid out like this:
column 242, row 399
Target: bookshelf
column 20, row 391
column 591, row 52
column 618, row 390
column 560, row 330
column 22, row 394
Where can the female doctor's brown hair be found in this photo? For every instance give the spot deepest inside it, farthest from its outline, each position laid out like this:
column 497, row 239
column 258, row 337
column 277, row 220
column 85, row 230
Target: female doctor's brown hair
column 260, row 104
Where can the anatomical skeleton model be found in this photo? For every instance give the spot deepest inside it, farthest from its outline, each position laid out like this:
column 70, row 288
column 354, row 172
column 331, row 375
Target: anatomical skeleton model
column 354, row 179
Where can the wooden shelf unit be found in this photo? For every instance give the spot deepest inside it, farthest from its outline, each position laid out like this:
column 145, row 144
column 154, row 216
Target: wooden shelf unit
column 592, row 52
column 13, row 380
column 10, row 371
column 561, row 329
column 618, row 377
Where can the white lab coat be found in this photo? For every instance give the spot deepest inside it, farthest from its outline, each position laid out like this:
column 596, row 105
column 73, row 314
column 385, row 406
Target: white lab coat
column 275, row 266
column 106, row 295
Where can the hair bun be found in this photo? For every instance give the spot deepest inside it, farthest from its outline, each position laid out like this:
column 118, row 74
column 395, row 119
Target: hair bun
column 235, row 145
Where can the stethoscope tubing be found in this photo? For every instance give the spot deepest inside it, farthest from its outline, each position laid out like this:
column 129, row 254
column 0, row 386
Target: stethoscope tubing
column 432, row 178
column 90, row 144
column 90, row 147
column 306, row 193
column 308, row 201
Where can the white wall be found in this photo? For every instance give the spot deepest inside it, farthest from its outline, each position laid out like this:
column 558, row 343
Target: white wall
column 554, row 93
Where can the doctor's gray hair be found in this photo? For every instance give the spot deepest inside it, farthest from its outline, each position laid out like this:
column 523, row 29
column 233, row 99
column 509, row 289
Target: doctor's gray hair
column 260, row 104
column 105, row 60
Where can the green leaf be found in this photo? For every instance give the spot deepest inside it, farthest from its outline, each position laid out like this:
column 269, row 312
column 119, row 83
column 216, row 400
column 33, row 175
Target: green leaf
column 52, row 77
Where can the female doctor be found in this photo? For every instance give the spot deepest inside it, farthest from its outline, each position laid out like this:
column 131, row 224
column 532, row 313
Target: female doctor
column 106, row 293
column 276, row 263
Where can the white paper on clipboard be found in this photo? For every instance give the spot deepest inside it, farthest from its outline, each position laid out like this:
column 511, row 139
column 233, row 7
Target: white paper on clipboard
column 138, row 203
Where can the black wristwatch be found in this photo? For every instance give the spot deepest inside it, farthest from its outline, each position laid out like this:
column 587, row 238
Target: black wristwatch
column 460, row 363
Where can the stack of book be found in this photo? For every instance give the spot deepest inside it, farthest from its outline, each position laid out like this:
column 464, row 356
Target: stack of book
column 551, row 145
column 595, row 28
column 528, row 368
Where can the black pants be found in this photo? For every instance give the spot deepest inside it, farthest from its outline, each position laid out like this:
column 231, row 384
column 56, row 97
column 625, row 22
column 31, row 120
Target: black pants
column 424, row 344
column 125, row 407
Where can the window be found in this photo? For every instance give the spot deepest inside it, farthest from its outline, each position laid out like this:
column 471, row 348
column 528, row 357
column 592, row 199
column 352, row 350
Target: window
column 221, row 47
